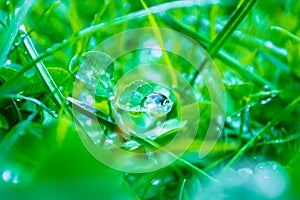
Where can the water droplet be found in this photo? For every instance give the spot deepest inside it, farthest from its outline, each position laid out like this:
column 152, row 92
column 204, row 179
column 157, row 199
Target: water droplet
column 228, row 119
column 139, row 107
column 88, row 122
column 126, row 7
column 155, row 181
column 10, row 176
column 266, row 87
column 234, row 121
column 157, row 104
column 265, row 101
column 230, row 177
column 8, row 62
column 270, row 175
column 245, row 172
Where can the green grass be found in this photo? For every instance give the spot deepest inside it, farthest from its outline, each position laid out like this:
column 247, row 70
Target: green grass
column 255, row 45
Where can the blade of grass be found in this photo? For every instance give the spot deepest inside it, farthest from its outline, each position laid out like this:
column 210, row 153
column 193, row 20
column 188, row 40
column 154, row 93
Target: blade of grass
column 222, row 55
column 11, row 11
column 288, row 139
column 226, row 32
column 97, row 18
column 58, row 97
column 39, row 22
column 76, row 24
column 181, row 192
column 35, row 101
column 160, row 40
column 2, row 24
column 90, row 111
column 12, row 30
column 280, row 116
column 286, row 32
column 231, row 26
column 136, row 197
column 75, row 20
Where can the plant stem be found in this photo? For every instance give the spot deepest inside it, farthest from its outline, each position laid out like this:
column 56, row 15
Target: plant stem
column 288, row 139
column 286, row 32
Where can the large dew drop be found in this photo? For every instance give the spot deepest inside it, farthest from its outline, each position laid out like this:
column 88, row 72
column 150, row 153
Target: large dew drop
column 270, row 179
column 157, row 104
column 141, row 106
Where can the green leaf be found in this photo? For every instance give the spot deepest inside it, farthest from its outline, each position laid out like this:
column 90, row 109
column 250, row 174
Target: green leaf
column 16, row 86
column 241, row 90
column 6, row 73
column 3, row 123
column 33, row 85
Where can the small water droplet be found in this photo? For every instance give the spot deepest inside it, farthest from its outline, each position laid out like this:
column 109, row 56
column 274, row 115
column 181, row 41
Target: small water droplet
column 111, row 97
column 54, row 114
column 274, row 166
column 88, row 122
column 266, row 87
column 10, row 176
column 265, row 101
column 8, row 62
column 228, row 119
column 245, row 172
column 155, row 182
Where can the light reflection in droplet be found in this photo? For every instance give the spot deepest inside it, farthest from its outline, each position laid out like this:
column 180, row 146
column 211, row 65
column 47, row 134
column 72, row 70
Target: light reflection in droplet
column 156, row 52
column 90, row 99
column 88, row 122
column 155, row 182
column 9, row 177
column 268, row 176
